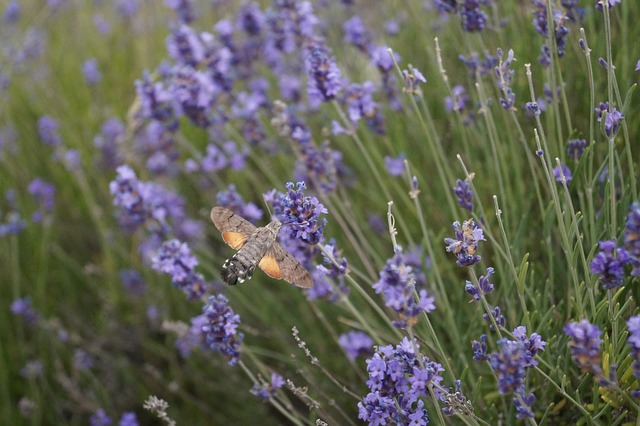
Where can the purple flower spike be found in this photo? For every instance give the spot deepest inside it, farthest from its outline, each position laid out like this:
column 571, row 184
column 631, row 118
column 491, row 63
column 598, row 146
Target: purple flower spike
column 220, row 331
column 465, row 243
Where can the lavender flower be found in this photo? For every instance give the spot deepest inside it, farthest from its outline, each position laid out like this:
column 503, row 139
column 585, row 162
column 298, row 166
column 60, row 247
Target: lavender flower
column 360, row 105
column 145, row 203
column 127, row 8
column 300, row 213
column 133, row 282
column 322, row 167
column 497, row 316
column 155, row 100
column 12, row 12
column 265, row 391
column 128, row 419
column 174, row 258
column 325, row 80
column 530, row 345
column 480, row 349
column 446, row 6
column 23, row 308
column 48, row 131
column 356, row 33
column 184, row 9
column 609, row 264
column 509, row 366
column 612, row 122
column 600, row 4
column 484, row 286
column 82, row 360
column 328, row 278
column 412, row 79
column 465, row 243
column 479, row 67
column 221, row 329
column 219, row 157
column 632, row 236
column 100, row 418
column 463, row 194
column 395, row 166
column 397, row 283
column 473, row 19
column 561, row 173
column 355, row 344
column 102, row 25
column 560, row 31
column 91, row 72
column 43, row 193
column 193, row 337
column 576, row 147
column 13, row 224
column 633, row 325
column 107, row 142
column 234, row 202
column 185, row 46
column 398, row 384
column 458, row 100
column 585, row 346
column 32, row 369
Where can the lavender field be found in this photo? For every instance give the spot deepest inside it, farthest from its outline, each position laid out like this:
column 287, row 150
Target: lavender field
column 456, row 180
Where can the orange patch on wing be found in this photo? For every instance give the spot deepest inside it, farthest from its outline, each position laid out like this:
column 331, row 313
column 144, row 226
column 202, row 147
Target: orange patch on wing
column 234, row 239
column 270, row 266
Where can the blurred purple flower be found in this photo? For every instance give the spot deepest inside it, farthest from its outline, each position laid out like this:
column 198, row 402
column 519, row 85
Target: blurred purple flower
column 48, row 131
column 473, row 19
column 609, row 264
column 562, row 172
column 264, row 391
column 484, row 286
column 183, row 8
column 357, row 34
column 128, row 419
column 12, row 12
column 395, row 166
column 584, row 342
column 576, row 147
column 91, row 72
column 325, row 79
column 174, row 258
column 100, row 418
column 600, row 4
column 633, row 325
column 82, row 360
column 133, row 282
column 356, row 344
column 107, row 142
column 23, row 308
column 231, row 199
column 220, row 331
column 44, row 194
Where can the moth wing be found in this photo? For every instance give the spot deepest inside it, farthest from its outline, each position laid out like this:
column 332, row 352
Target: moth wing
column 235, row 229
column 278, row 263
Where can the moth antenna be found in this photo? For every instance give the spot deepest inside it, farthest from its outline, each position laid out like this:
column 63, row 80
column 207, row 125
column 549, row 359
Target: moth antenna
column 267, row 206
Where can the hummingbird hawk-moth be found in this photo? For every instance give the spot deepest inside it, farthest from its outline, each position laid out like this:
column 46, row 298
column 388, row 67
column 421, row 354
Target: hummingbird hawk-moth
column 256, row 247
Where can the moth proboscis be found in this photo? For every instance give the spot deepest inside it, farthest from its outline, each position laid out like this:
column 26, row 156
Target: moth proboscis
column 256, row 247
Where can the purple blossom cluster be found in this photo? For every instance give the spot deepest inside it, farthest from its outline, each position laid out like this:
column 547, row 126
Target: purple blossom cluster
column 146, row 204
column 465, row 244
column 174, row 258
column 609, row 264
column 328, row 277
column 100, row 418
column 399, row 380
column 562, row 172
column 509, row 364
column 459, row 102
column 633, row 325
column 631, row 237
column 398, row 284
column 265, row 391
column 559, row 32
column 473, row 18
column 479, row 67
column 24, row 309
column 193, row 338
column 612, row 120
column 358, row 99
column 11, row 223
column 483, row 287
column 356, row 344
column 299, row 213
column 107, row 142
column 220, row 330
column 576, row 147
column 325, row 79
column 464, row 195
column 584, row 343
column 231, row 199
column 43, row 194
